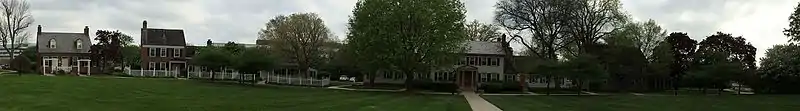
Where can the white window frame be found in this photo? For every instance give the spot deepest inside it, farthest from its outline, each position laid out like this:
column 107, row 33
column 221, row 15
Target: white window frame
column 176, row 52
column 151, row 52
column 163, row 66
column 151, row 65
column 163, row 52
column 78, row 44
column 51, row 43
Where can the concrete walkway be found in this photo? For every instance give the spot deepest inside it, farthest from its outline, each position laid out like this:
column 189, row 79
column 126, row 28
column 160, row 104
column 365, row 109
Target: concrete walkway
column 477, row 103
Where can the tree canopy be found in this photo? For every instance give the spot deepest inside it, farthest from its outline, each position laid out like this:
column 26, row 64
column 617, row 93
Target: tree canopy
column 414, row 36
column 298, row 37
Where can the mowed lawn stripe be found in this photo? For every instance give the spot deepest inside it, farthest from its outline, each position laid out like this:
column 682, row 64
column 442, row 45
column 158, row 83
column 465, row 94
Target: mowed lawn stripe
column 648, row 103
column 40, row 93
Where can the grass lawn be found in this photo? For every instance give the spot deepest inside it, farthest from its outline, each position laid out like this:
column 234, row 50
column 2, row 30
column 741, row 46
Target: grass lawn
column 40, row 93
column 648, row 103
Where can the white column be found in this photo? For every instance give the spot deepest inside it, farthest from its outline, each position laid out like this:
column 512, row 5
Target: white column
column 89, row 67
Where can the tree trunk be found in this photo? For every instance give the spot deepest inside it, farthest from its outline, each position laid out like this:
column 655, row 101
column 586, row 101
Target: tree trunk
column 549, row 79
column 409, row 81
column 371, row 79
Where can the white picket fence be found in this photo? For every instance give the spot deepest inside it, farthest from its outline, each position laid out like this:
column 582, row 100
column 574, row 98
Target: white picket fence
column 277, row 79
column 152, row 73
column 267, row 77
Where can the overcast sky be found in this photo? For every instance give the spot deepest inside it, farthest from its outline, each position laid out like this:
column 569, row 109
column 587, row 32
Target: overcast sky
column 760, row 21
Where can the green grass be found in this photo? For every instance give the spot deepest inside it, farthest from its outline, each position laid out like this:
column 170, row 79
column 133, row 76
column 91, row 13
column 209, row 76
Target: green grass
column 647, row 103
column 39, row 93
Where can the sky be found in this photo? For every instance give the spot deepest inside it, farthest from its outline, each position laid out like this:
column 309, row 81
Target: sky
column 759, row 21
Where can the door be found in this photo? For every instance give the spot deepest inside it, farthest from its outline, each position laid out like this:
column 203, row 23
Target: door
column 467, row 80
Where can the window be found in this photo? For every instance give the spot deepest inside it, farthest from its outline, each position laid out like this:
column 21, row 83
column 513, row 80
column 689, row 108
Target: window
column 51, row 44
column 163, row 66
column 484, row 61
column 176, row 53
column 78, row 44
column 492, row 61
column 151, row 52
column 74, row 61
column 151, row 65
column 163, row 52
column 471, row 60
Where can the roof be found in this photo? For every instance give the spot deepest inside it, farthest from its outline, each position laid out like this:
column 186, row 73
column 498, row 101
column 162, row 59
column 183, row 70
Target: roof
column 65, row 42
column 170, row 37
column 482, row 47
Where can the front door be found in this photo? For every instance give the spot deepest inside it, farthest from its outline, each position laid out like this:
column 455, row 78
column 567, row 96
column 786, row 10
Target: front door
column 467, row 80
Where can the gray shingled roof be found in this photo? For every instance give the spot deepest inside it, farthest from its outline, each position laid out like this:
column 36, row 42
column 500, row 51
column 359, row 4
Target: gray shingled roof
column 65, row 42
column 171, row 37
column 481, row 47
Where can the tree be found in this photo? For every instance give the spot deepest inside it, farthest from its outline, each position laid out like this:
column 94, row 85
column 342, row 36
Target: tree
column 643, row 35
column 478, row 31
column 415, row 36
column 108, row 50
column 793, row 32
column 682, row 50
column 131, row 57
column 741, row 51
column 298, row 37
column 542, row 20
column 213, row 58
column 713, row 70
column 233, row 47
column 590, row 20
column 780, row 70
column 252, row 61
column 584, row 69
column 16, row 18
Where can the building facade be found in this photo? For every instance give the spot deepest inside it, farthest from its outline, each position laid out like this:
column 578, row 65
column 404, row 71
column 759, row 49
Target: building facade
column 163, row 50
column 63, row 52
column 482, row 62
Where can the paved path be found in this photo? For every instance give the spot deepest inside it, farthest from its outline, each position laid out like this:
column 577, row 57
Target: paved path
column 477, row 103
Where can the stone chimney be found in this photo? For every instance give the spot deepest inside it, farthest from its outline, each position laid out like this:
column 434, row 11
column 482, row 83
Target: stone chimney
column 86, row 30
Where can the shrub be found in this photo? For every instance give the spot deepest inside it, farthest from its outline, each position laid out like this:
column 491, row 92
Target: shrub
column 22, row 64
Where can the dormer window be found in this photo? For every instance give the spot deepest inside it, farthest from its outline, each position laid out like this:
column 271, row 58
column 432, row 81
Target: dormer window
column 78, row 44
column 51, row 44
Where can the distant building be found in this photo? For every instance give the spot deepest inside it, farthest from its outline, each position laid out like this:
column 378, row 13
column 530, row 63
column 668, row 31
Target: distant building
column 163, row 49
column 63, row 51
column 5, row 57
column 483, row 62
column 241, row 44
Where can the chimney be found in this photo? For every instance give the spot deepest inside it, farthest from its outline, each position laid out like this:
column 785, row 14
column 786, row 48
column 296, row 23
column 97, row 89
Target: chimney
column 86, row 30
column 144, row 24
column 143, row 34
column 39, row 30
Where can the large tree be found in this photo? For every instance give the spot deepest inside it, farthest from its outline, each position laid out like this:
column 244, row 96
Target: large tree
column 16, row 18
column 793, row 32
column 780, row 70
column 537, row 24
column 298, row 37
column 410, row 36
column 589, row 21
column 478, row 31
column 682, row 48
column 643, row 35
column 108, row 49
column 740, row 51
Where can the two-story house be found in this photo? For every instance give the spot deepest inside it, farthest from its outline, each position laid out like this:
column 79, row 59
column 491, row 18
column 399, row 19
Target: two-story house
column 162, row 50
column 482, row 62
column 63, row 52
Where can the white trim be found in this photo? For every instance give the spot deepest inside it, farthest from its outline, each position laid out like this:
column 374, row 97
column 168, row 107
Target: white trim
column 163, row 52
column 163, row 46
